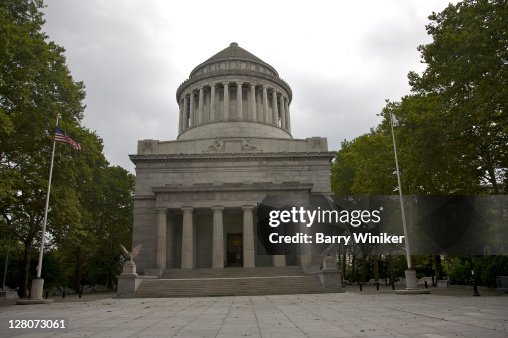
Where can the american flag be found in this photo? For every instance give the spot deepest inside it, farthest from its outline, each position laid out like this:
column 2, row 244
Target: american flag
column 61, row 136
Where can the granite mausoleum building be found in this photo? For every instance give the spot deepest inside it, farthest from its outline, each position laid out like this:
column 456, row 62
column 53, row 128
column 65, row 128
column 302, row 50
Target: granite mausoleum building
column 196, row 196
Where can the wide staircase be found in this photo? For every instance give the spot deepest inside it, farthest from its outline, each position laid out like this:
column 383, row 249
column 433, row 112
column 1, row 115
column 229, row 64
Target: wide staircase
column 230, row 282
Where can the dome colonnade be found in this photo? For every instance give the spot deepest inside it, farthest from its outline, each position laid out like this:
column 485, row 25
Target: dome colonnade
column 234, row 85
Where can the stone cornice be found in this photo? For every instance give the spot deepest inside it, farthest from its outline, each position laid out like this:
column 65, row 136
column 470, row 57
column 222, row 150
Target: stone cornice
column 329, row 155
column 227, row 187
column 233, row 72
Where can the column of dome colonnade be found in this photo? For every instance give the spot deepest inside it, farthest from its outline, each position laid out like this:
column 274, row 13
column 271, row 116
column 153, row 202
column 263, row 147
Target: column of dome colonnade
column 272, row 108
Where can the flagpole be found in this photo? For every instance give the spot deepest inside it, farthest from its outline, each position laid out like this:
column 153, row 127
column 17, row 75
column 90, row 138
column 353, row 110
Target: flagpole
column 401, row 197
column 39, row 266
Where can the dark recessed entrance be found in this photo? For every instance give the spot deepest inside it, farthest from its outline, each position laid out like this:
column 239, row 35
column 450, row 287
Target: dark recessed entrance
column 234, row 250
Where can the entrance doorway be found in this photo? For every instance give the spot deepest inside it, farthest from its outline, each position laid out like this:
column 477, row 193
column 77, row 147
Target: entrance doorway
column 234, row 250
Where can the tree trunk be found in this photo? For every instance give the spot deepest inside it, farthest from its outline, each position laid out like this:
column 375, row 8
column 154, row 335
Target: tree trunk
column 354, row 270
column 376, row 267
column 23, row 285
column 77, row 271
column 492, row 172
column 364, row 269
column 390, row 269
column 344, row 262
column 438, row 268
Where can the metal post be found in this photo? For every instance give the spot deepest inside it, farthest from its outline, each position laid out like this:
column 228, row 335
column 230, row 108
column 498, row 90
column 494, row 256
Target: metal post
column 39, row 266
column 401, row 197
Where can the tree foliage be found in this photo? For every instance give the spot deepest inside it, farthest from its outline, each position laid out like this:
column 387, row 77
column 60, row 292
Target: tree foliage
column 89, row 201
column 452, row 129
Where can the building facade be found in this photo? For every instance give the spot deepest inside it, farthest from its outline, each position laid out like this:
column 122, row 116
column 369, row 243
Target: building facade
column 196, row 196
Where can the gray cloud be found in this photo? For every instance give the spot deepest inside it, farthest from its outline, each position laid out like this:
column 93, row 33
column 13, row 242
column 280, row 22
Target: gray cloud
column 341, row 60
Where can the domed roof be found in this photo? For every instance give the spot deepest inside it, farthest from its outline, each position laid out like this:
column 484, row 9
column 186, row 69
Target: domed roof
column 233, row 52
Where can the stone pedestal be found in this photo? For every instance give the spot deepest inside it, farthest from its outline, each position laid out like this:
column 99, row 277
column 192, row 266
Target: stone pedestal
column 8, row 294
column 37, row 287
column 330, row 276
column 129, row 269
column 128, row 281
column 127, row 284
column 35, row 294
column 411, row 283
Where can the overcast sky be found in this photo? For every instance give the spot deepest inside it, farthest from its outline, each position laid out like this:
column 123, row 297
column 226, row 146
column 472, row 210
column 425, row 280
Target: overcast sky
column 342, row 59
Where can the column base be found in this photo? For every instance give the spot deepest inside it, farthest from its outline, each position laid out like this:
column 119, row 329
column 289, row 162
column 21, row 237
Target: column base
column 37, row 287
column 411, row 283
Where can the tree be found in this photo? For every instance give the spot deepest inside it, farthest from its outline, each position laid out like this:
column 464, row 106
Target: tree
column 452, row 132
column 35, row 86
column 93, row 251
column 467, row 70
column 365, row 166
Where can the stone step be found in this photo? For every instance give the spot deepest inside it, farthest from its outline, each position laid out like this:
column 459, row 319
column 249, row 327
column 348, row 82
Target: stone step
column 232, row 272
column 200, row 283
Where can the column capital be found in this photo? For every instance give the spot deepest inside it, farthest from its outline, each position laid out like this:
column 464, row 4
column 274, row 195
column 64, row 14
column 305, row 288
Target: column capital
column 265, row 87
column 247, row 207
column 217, row 208
column 225, row 83
column 161, row 209
column 239, row 83
column 187, row 209
column 212, row 84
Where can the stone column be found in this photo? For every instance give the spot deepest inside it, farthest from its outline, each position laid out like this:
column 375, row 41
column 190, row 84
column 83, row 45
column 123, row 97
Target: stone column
column 185, row 112
column 265, row 105
column 239, row 100
column 259, row 106
column 160, row 241
column 212, row 102
column 200, row 106
column 226, row 100
column 191, row 110
column 187, row 239
column 279, row 260
column 275, row 110
column 288, row 117
column 218, row 238
column 169, row 243
column 253, row 102
column 180, row 118
column 248, row 236
column 286, row 112
column 282, row 113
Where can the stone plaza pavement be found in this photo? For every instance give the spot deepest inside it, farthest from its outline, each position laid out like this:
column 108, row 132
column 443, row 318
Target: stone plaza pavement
column 349, row 314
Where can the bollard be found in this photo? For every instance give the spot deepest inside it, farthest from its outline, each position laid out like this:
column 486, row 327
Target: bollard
column 46, row 294
column 426, row 285
column 63, row 294
column 377, row 286
column 361, row 287
column 433, row 281
column 393, row 286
